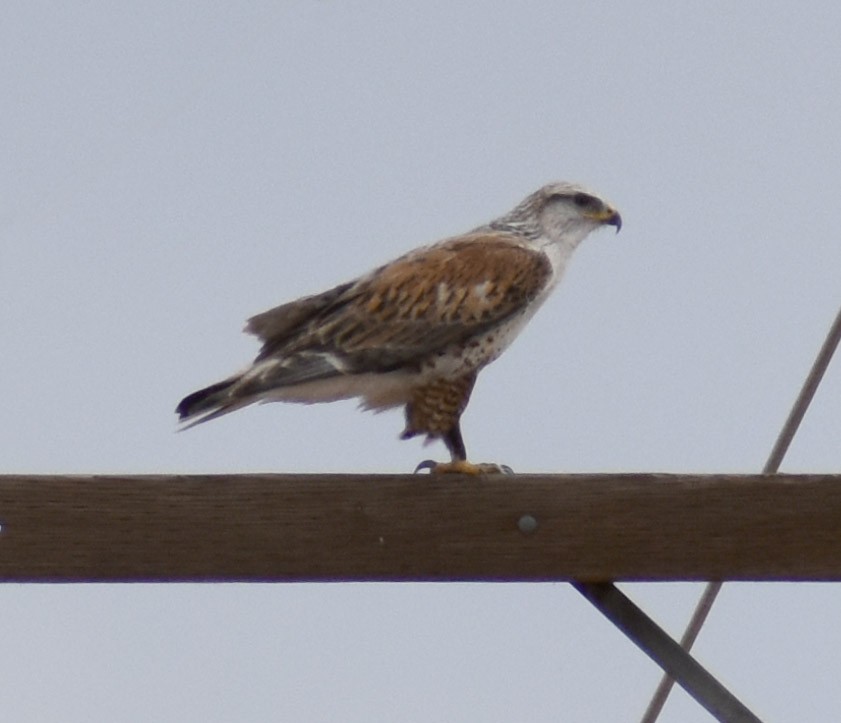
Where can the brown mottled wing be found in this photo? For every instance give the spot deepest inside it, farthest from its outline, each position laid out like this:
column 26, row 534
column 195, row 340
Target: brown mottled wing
column 287, row 320
column 399, row 314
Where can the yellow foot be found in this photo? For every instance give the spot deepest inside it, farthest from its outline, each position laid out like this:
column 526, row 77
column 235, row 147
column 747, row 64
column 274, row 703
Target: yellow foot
column 462, row 466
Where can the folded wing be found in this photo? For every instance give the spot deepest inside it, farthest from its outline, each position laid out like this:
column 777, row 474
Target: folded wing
column 391, row 319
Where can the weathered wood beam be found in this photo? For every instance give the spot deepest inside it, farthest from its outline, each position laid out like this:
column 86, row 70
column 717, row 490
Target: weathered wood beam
column 403, row 527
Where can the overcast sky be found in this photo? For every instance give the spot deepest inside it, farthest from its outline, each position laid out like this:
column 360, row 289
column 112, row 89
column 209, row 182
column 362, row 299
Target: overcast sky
column 169, row 169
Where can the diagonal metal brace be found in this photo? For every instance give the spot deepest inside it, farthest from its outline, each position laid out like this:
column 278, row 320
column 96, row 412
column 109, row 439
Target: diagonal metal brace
column 666, row 652
column 772, row 466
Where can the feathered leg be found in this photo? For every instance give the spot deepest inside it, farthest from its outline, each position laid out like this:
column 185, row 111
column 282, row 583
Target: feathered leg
column 435, row 410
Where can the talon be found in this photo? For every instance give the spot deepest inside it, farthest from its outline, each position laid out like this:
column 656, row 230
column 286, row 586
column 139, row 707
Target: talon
column 462, row 467
column 429, row 464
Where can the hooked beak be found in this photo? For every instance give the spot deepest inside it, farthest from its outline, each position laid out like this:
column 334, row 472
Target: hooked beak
column 609, row 217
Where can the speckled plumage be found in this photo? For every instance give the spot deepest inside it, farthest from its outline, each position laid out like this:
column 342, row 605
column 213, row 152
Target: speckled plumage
column 416, row 331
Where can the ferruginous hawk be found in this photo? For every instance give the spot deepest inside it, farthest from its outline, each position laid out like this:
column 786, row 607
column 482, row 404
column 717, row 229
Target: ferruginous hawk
column 418, row 330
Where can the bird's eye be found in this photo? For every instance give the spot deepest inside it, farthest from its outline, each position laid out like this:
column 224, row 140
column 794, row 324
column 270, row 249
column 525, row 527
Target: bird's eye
column 582, row 200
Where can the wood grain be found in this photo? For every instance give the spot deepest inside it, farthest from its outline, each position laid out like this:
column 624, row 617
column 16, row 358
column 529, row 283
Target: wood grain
column 402, row 527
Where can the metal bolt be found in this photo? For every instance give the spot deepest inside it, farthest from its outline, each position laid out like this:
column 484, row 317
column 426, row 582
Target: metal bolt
column 527, row 524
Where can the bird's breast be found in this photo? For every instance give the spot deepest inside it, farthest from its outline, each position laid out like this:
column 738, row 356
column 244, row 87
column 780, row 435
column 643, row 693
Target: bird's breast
column 475, row 352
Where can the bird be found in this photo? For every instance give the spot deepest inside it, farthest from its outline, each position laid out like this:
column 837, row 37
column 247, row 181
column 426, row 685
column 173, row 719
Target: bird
column 415, row 332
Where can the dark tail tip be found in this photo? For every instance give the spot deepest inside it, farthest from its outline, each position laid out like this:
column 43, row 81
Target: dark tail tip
column 203, row 400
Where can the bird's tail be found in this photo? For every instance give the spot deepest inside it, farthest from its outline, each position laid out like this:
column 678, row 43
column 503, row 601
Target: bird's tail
column 208, row 403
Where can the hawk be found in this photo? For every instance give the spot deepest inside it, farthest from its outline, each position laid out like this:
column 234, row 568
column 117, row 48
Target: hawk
column 416, row 332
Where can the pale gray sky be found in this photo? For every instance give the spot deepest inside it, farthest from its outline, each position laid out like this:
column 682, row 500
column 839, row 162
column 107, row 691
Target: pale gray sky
column 172, row 168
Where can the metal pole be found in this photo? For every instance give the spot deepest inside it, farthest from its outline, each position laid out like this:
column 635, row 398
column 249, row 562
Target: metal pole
column 668, row 654
column 772, row 466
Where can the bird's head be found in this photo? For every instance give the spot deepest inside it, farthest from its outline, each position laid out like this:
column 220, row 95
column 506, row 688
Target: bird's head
column 561, row 212
column 567, row 209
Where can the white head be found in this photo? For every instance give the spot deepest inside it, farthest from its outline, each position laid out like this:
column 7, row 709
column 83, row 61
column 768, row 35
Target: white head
column 559, row 213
